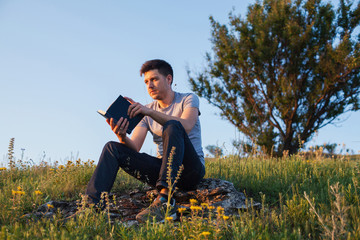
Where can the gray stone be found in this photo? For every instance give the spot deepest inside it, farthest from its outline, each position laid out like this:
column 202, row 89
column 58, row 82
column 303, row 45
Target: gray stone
column 217, row 192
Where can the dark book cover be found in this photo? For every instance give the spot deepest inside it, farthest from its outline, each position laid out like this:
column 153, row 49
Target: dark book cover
column 119, row 109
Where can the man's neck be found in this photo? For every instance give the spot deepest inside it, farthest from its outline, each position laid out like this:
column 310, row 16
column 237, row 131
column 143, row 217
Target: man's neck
column 167, row 100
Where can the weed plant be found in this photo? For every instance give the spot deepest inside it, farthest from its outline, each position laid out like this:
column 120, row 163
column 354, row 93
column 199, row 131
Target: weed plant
column 303, row 198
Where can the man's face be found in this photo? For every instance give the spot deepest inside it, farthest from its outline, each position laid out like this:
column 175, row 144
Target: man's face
column 157, row 85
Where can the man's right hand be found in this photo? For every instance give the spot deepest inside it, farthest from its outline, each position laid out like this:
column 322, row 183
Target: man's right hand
column 119, row 128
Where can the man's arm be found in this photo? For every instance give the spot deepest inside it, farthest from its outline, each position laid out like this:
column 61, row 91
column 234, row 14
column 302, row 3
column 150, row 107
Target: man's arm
column 138, row 137
column 188, row 118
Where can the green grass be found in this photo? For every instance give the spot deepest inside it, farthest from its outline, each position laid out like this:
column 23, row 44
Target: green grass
column 303, row 198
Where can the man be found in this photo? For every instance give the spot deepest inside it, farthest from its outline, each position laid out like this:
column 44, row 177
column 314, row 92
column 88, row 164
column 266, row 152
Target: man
column 173, row 120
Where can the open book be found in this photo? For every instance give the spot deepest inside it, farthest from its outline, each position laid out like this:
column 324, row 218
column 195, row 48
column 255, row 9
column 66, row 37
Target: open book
column 119, row 109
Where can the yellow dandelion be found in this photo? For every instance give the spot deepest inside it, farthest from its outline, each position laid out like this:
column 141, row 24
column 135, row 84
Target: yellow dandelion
column 181, row 210
column 193, row 201
column 205, row 233
column 225, row 217
column 37, row 192
column 2, row 168
column 50, row 206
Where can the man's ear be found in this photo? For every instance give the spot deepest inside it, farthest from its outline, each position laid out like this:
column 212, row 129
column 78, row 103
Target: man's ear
column 169, row 79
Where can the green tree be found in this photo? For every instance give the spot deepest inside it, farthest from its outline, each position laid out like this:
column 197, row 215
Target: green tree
column 214, row 150
column 286, row 70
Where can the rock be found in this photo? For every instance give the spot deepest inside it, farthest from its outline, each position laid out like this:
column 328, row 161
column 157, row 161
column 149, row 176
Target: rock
column 215, row 192
column 131, row 223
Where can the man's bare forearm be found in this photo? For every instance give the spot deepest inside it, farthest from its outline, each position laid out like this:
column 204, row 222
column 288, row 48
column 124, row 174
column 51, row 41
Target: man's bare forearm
column 128, row 142
column 162, row 118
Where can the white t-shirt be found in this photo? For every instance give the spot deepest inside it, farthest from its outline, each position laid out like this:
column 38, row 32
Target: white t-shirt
column 176, row 108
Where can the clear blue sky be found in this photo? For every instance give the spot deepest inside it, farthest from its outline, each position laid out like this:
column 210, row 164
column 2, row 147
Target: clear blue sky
column 60, row 61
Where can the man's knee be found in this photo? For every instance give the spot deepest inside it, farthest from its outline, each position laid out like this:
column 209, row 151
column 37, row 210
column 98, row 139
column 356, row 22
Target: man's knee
column 110, row 146
column 114, row 147
column 171, row 126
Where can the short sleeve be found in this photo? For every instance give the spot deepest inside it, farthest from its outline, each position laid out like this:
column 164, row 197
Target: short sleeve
column 144, row 123
column 191, row 101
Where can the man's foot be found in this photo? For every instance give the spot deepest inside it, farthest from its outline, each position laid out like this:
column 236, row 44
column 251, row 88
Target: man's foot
column 158, row 210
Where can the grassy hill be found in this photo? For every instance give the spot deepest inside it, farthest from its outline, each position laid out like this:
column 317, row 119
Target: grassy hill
column 303, row 198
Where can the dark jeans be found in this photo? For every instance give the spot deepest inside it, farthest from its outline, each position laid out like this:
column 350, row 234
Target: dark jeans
column 146, row 168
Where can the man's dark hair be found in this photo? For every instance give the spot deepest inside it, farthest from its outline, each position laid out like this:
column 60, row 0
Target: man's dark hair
column 162, row 66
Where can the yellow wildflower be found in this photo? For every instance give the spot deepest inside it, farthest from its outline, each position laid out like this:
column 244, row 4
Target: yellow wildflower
column 181, row 210
column 37, row 192
column 50, row 206
column 19, row 188
column 204, row 205
column 211, row 208
column 225, row 217
column 169, row 218
column 195, row 208
column 61, row 167
column 17, row 192
column 220, row 210
column 205, row 234
column 193, row 201
column 2, row 168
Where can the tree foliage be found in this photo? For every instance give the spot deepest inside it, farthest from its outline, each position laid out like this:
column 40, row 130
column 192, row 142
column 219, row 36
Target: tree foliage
column 286, row 70
column 214, row 150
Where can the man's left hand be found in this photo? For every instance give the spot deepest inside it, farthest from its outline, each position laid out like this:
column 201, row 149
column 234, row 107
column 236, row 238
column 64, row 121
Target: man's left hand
column 135, row 108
